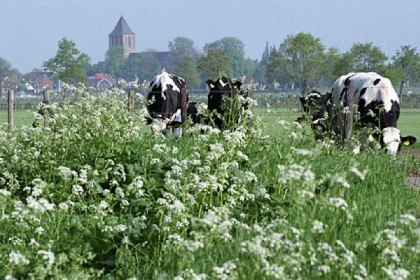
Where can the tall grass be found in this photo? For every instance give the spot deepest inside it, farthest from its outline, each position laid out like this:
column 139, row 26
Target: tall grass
column 98, row 196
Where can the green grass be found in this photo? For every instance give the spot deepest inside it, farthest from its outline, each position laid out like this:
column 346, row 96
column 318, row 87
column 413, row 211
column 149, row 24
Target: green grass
column 21, row 117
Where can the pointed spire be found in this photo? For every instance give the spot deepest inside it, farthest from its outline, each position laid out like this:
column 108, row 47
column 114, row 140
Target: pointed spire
column 121, row 28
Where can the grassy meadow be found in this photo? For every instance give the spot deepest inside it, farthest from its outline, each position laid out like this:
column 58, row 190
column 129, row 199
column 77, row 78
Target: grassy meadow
column 97, row 196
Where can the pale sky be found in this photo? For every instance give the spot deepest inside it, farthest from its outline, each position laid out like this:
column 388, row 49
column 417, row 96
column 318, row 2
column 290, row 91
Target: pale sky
column 31, row 29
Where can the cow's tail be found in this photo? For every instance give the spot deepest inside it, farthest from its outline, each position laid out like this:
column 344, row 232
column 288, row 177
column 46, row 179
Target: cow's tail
column 184, row 104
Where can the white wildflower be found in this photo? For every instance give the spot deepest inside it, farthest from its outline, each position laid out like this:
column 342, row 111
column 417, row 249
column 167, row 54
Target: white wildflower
column 5, row 192
column 358, row 173
column 103, row 204
column 39, row 230
column 65, row 172
column 407, row 219
column 338, row 202
column 17, row 258
column 77, row 190
column 306, row 194
column 324, row 269
column 318, row 226
column 47, row 256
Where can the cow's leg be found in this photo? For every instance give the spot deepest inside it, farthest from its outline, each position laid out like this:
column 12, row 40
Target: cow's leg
column 177, row 132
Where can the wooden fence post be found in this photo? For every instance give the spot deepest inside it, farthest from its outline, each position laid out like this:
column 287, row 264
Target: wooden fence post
column 130, row 102
column 10, row 103
column 184, row 104
column 348, row 115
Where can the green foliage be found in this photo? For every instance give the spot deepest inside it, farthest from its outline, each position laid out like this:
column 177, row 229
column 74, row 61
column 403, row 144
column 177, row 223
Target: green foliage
column 234, row 49
column 363, row 58
column 115, row 61
column 145, row 65
column 299, row 59
column 187, row 69
column 68, row 63
column 214, row 63
column 5, row 68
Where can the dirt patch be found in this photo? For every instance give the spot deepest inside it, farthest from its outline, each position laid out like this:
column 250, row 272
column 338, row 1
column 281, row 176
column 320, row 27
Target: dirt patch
column 409, row 153
column 413, row 178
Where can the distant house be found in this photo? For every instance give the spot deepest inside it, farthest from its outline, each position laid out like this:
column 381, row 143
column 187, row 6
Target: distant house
column 102, row 81
column 247, row 81
column 9, row 82
column 37, row 82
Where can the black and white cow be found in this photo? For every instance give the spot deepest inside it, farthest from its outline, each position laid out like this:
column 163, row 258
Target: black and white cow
column 377, row 104
column 218, row 98
column 167, row 101
column 318, row 107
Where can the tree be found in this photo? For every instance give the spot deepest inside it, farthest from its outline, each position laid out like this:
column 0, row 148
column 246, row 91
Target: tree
column 187, row 69
column 145, row 65
column 114, row 61
column 332, row 59
column 215, row 63
column 261, row 69
column 407, row 61
column 67, row 65
column 180, row 48
column 300, row 60
column 365, row 58
column 232, row 48
column 182, row 60
column 5, row 68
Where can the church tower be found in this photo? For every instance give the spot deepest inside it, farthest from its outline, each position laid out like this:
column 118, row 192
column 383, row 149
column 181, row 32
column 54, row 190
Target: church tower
column 123, row 36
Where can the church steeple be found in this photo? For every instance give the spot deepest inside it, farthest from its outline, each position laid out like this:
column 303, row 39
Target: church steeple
column 123, row 36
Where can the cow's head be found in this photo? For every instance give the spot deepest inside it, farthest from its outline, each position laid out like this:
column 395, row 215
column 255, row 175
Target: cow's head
column 392, row 140
column 220, row 93
column 319, row 109
column 220, row 90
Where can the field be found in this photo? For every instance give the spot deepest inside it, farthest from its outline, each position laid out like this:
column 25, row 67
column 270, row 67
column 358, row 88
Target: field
column 97, row 196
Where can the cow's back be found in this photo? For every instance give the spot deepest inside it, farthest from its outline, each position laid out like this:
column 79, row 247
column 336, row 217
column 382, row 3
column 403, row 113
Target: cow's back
column 165, row 95
column 369, row 88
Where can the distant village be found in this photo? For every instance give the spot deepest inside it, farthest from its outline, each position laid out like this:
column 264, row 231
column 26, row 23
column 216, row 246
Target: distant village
column 38, row 81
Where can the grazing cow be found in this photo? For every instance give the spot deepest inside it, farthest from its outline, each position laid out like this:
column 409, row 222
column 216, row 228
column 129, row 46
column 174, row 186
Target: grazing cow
column 318, row 107
column 377, row 104
column 167, row 100
column 220, row 91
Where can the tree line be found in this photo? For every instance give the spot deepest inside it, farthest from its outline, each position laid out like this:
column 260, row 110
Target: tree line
column 300, row 62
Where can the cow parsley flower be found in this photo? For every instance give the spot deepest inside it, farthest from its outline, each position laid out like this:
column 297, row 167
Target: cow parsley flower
column 47, row 256
column 5, row 192
column 17, row 258
column 103, row 205
column 407, row 219
column 397, row 273
column 77, row 190
column 338, row 202
column 40, row 205
column 318, row 226
column 358, row 173
column 66, row 173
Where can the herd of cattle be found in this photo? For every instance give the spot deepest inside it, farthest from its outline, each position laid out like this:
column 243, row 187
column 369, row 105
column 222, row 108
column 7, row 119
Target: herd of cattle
column 376, row 101
column 169, row 106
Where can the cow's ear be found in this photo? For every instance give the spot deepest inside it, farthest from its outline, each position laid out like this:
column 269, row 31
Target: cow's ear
column 237, row 85
column 210, row 83
column 408, row 140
